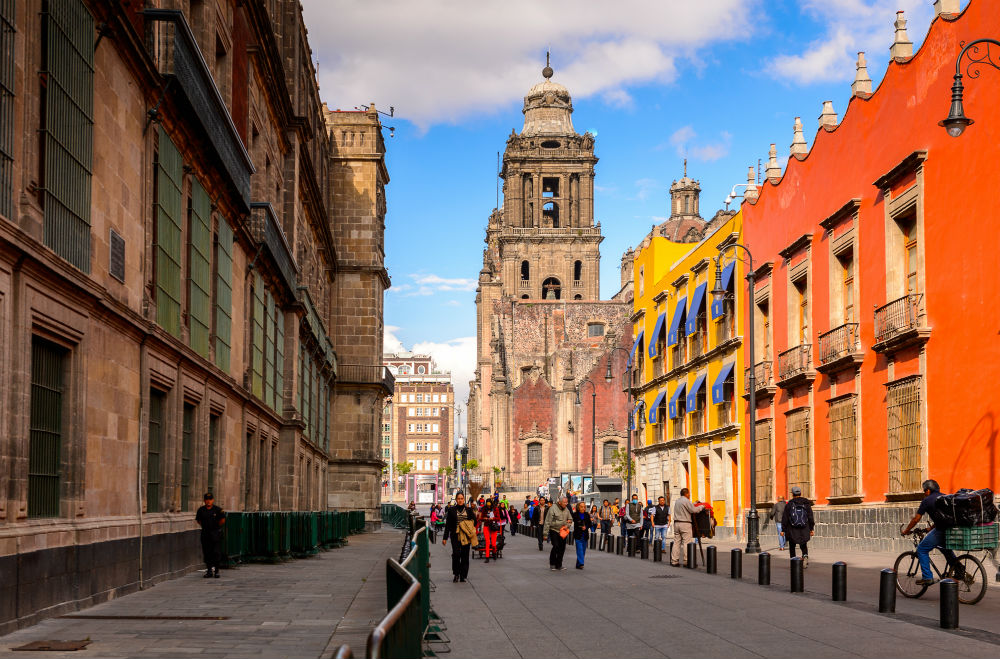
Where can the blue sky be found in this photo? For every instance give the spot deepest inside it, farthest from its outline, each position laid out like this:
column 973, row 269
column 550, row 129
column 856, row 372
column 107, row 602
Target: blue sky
column 715, row 81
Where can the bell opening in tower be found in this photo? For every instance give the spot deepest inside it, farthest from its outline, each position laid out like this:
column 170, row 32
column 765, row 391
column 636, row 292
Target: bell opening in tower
column 550, row 187
column 550, row 214
column 551, row 289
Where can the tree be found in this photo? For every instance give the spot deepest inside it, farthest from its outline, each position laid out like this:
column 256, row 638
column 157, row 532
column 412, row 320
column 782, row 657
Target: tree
column 403, row 468
column 620, row 463
column 472, row 464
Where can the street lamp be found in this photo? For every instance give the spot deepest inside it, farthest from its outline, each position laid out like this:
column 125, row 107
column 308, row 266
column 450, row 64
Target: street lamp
column 719, row 293
column 626, row 387
column 956, row 122
column 593, row 421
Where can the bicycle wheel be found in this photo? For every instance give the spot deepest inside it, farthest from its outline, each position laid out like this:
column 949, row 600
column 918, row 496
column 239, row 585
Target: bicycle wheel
column 907, row 573
column 973, row 587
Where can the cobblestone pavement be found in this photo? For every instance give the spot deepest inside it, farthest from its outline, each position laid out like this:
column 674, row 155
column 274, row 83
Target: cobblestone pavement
column 302, row 608
column 627, row 607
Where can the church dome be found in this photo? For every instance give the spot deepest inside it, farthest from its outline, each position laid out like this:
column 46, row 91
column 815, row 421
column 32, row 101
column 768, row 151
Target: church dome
column 547, row 108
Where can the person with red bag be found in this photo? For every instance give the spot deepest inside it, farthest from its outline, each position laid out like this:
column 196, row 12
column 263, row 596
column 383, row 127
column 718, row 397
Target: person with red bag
column 489, row 526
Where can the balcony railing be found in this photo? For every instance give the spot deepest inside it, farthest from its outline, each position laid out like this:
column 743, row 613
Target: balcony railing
column 838, row 342
column 725, row 328
column 363, row 374
column 725, row 413
column 176, row 54
column 547, row 231
column 699, row 343
column 659, row 365
column 794, row 361
column 678, row 352
column 266, row 231
column 577, row 283
column 525, row 284
column 898, row 317
column 697, row 422
column 763, row 373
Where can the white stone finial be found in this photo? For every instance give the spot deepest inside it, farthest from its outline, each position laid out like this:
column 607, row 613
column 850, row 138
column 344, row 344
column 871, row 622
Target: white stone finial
column 901, row 46
column 751, row 193
column 862, row 81
column 799, row 140
column 773, row 171
column 828, row 117
column 946, row 7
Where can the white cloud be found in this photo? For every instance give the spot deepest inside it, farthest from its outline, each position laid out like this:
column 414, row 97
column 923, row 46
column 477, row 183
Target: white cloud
column 683, row 140
column 645, row 187
column 437, row 283
column 391, row 342
column 443, row 61
column 453, row 303
column 852, row 26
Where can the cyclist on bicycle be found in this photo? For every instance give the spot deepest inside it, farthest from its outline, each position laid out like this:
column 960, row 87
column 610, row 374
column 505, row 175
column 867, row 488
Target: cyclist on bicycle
column 934, row 537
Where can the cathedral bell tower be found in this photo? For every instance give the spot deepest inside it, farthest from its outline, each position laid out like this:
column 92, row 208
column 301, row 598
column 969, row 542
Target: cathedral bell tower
column 548, row 243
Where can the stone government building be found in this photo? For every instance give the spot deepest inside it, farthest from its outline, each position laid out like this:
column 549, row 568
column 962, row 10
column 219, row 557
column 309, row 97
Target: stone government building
column 191, row 284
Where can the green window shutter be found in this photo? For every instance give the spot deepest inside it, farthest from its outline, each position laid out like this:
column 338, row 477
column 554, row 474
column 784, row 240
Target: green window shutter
column 200, row 270
column 213, row 445
column 223, row 295
column 154, row 451
column 257, row 327
column 187, row 450
column 269, row 350
column 68, row 128
column 45, row 431
column 279, row 362
column 169, row 173
column 7, row 71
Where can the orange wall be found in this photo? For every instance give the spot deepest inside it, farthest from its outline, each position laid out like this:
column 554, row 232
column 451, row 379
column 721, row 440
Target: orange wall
column 961, row 252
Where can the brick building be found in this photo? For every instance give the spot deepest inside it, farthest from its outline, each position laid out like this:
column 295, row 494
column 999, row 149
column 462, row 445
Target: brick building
column 178, row 276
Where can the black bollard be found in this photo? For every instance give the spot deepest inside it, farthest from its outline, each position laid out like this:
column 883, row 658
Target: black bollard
column 797, row 584
column 630, row 546
column 711, row 560
column 619, row 545
column 658, row 550
column 593, row 541
column 887, row 591
column 692, row 556
column 644, row 549
column 949, row 604
column 764, row 569
column 839, row 592
column 736, row 563
column 610, row 544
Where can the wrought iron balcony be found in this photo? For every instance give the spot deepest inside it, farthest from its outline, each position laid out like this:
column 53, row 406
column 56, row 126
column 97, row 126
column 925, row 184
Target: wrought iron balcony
column 763, row 373
column 699, row 343
column 839, row 348
column 900, row 323
column 795, row 366
column 266, row 231
column 177, row 56
column 315, row 327
column 697, row 425
column 377, row 375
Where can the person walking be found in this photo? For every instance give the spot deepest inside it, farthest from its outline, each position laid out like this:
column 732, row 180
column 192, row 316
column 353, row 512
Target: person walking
column 797, row 524
column 593, row 518
column 606, row 515
column 514, row 515
column 537, row 520
column 558, row 521
column 489, row 524
column 683, row 528
column 460, row 528
column 661, row 521
column 633, row 516
column 581, row 532
column 647, row 520
column 211, row 518
column 777, row 513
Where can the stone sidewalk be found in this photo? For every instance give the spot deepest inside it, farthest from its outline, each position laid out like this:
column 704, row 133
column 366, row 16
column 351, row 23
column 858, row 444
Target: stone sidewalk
column 302, row 608
column 627, row 607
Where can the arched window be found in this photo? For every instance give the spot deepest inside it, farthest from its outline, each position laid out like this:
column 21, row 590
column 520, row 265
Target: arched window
column 687, row 204
column 525, row 297
column 577, row 270
column 404, row 370
column 551, row 289
column 421, row 370
column 609, row 451
column 525, row 271
column 535, row 454
column 550, row 214
column 577, row 297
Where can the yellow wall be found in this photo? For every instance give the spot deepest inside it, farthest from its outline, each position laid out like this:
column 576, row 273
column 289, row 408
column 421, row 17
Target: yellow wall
column 661, row 264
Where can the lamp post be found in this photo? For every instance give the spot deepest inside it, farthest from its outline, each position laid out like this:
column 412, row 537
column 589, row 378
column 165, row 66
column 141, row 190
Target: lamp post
column 593, row 422
column 719, row 293
column 627, row 388
column 956, row 122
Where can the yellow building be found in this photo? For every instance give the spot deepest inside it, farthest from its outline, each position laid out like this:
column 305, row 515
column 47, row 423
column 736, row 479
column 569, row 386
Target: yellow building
column 688, row 354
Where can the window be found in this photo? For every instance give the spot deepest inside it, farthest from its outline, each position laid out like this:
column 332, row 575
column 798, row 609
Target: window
column 7, row 31
column 277, row 373
column 411, row 445
column 535, row 454
column 843, row 447
column 551, row 289
column 67, row 130
column 45, row 443
column 435, row 465
column 214, row 428
column 420, row 398
column 550, row 187
column 435, row 428
column 577, row 270
column 420, row 465
column 681, row 415
column 802, row 303
column 420, row 411
column 187, row 449
column 642, row 279
column 595, row 329
column 409, row 428
column 908, row 226
column 525, row 271
column 550, row 215
column 847, row 274
column 421, row 369
column 608, row 451
column 687, row 204
column 436, row 411
column 154, row 450
column 763, row 338
column 169, row 175
column 765, row 475
column 799, row 464
column 223, row 294
column 905, row 445
column 435, row 447
column 435, row 398
column 199, row 269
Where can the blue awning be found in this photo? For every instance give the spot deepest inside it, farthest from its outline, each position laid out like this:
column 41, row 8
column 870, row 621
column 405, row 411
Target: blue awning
column 656, row 333
column 675, row 398
column 692, row 398
column 635, row 346
column 718, row 308
column 656, row 405
column 720, row 381
column 696, row 303
column 675, row 322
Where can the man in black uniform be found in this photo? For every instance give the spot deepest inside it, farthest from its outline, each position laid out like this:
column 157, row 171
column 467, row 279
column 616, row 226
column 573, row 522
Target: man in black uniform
column 211, row 518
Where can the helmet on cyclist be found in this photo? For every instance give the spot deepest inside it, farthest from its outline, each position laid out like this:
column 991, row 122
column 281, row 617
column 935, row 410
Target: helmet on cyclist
column 930, row 484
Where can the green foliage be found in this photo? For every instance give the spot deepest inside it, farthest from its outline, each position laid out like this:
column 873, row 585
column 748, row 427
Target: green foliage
column 403, row 468
column 472, row 464
column 620, row 463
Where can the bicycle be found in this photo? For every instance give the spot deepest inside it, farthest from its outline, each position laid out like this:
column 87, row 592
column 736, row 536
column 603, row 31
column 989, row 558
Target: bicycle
column 971, row 589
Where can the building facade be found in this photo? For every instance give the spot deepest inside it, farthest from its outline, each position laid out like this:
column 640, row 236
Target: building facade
column 172, row 276
column 541, row 326
column 873, row 294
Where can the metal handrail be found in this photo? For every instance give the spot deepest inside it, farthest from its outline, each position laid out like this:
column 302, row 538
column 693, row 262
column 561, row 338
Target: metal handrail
column 405, row 605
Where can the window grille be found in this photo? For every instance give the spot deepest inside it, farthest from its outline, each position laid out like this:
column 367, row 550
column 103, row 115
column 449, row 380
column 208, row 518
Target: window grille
column 187, row 449
column 905, row 446
column 214, row 422
column 257, row 328
column 199, row 269
column 279, row 361
column 154, row 449
column 762, row 453
column 843, row 448
column 595, row 329
column 45, row 432
column 535, row 454
column 7, row 31
column 67, row 127
column 223, row 295
column 609, row 452
column 799, row 466
column 169, row 172
column 268, row 323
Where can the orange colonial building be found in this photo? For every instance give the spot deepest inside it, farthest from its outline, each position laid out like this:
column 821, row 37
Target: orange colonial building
column 876, row 304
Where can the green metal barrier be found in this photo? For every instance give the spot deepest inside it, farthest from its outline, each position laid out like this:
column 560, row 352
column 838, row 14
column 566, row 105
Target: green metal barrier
column 400, row 633
column 397, row 516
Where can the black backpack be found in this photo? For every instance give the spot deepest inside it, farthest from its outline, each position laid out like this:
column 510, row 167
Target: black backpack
column 798, row 514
